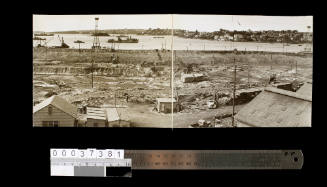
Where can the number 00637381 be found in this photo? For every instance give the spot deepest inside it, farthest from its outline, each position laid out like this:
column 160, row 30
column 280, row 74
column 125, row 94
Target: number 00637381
column 87, row 153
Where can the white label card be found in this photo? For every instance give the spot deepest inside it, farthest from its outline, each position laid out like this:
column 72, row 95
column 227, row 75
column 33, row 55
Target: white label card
column 87, row 153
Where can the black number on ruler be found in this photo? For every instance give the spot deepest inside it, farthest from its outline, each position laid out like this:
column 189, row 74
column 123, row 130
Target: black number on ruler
column 63, row 153
column 109, row 153
column 118, row 154
column 82, row 153
column 100, row 153
column 91, row 152
column 71, row 153
column 54, row 153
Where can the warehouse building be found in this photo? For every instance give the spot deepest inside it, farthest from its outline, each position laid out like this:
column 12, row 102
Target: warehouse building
column 275, row 107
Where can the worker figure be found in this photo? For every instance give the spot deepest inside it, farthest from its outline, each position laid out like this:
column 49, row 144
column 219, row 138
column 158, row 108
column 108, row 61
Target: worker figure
column 127, row 98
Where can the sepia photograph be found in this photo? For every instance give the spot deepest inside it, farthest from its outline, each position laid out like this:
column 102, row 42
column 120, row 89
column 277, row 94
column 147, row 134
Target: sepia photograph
column 172, row 71
column 102, row 71
column 242, row 71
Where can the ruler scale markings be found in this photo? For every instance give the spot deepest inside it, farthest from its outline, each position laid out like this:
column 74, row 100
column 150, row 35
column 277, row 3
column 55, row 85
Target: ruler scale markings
column 217, row 159
column 178, row 160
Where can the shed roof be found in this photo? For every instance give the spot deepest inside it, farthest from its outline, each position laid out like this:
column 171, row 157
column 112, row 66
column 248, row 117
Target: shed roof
column 166, row 100
column 96, row 113
column 305, row 89
column 59, row 103
column 115, row 114
column 186, row 75
column 277, row 108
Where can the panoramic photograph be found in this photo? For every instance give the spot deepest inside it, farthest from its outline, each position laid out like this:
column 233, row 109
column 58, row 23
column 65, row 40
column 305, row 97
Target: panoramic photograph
column 102, row 71
column 242, row 71
column 172, row 71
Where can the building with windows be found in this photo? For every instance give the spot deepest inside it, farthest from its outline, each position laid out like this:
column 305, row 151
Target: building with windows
column 54, row 112
column 165, row 105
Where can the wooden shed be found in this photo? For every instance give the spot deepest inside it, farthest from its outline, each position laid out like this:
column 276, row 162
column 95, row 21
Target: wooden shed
column 96, row 117
column 165, row 104
column 54, row 112
column 117, row 117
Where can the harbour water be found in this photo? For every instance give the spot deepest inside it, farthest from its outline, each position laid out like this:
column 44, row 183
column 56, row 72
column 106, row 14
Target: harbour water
column 165, row 42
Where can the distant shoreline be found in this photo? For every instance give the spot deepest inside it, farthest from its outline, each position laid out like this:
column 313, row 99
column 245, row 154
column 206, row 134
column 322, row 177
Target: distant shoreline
column 155, row 51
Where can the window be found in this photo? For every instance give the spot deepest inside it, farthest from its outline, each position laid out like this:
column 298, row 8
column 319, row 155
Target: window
column 50, row 123
column 50, row 110
column 45, row 124
column 56, row 124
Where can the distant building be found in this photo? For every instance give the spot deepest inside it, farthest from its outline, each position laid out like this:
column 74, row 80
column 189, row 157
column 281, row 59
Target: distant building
column 165, row 104
column 55, row 112
column 275, row 107
column 238, row 37
column 228, row 37
column 307, row 37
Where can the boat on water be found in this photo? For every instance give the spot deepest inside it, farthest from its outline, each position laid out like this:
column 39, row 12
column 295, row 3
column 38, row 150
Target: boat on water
column 100, row 34
column 63, row 44
column 44, row 34
column 38, row 38
column 122, row 35
column 128, row 40
column 78, row 41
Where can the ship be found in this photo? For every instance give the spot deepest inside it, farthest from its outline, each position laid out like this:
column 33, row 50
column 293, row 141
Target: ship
column 100, row 34
column 43, row 34
column 128, row 40
column 78, row 41
column 63, row 44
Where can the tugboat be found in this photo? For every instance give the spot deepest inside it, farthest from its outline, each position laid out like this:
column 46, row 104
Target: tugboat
column 128, row 40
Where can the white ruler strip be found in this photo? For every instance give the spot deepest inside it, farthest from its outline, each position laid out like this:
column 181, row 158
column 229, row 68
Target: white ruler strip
column 87, row 153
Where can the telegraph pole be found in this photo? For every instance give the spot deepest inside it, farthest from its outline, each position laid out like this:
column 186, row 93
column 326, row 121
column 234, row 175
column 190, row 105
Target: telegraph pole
column 92, row 72
column 249, row 74
column 234, row 88
column 271, row 61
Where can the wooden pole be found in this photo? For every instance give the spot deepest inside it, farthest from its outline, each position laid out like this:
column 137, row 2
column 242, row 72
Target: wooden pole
column 92, row 72
column 249, row 74
column 234, row 93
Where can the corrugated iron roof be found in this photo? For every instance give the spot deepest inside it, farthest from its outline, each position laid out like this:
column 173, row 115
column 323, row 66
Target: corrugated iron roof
column 96, row 113
column 59, row 103
column 166, row 100
column 277, row 108
column 305, row 89
column 112, row 114
column 115, row 114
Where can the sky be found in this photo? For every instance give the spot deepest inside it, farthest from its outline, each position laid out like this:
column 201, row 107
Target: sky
column 202, row 23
